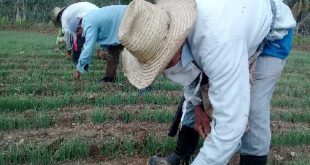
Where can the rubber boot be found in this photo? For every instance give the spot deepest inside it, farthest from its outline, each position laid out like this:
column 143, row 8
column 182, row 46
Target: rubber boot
column 253, row 160
column 107, row 79
column 145, row 90
column 187, row 142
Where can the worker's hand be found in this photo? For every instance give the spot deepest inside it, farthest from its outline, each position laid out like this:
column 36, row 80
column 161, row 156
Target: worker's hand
column 68, row 54
column 202, row 122
column 77, row 75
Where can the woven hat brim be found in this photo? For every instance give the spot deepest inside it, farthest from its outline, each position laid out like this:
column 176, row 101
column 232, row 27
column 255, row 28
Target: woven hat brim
column 56, row 15
column 182, row 14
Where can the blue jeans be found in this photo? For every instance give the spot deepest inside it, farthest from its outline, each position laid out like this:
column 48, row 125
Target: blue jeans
column 257, row 137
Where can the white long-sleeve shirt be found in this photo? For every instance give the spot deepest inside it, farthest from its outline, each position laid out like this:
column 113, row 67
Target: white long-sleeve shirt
column 73, row 11
column 225, row 35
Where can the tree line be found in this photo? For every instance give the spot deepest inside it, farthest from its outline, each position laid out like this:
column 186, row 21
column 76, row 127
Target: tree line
column 39, row 11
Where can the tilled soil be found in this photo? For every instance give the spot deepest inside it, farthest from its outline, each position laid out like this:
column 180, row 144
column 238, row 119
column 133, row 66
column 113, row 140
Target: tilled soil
column 96, row 134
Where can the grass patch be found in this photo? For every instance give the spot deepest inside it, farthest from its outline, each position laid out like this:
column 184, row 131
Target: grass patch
column 300, row 161
column 20, row 122
column 99, row 116
column 28, row 153
column 73, row 149
column 292, row 138
column 294, row 117
column 150, row 146
column 159, row 116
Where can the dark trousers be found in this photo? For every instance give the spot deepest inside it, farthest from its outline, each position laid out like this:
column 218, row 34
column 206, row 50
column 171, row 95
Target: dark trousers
column 76, row 52
column 112, row 62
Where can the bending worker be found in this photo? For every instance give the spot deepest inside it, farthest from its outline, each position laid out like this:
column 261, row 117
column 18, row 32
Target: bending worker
column 188, row 38
column 255, row 142
column 100, row 26
column 62, row 17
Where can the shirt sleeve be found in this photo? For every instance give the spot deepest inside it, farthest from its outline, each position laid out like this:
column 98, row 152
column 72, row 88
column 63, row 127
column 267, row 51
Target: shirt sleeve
column 88, row 49
column 229, row 93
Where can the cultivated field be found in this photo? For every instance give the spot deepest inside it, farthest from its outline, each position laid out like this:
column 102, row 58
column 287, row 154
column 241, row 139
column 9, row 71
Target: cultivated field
column 46, row 117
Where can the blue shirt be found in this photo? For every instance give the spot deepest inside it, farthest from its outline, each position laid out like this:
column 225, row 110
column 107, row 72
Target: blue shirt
column 279, row 48
column 100, row 26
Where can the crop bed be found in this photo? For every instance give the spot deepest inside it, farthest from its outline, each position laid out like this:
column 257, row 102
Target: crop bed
column 46, row 117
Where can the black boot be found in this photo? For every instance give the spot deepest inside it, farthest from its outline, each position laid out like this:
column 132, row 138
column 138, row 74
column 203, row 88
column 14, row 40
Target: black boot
column 107, row 79
column 187, row 142
column 253, row 160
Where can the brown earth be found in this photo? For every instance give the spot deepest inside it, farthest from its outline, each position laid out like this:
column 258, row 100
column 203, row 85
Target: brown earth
column 96, row 134
column 129, row 161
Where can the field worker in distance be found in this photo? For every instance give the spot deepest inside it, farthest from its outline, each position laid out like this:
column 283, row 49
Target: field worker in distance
column 185, row 39
column 62, row 18
column 100, row 26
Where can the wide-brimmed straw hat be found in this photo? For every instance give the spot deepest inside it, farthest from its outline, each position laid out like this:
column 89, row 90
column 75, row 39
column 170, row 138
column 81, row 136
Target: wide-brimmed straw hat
column 56, row 15
column 151, row 35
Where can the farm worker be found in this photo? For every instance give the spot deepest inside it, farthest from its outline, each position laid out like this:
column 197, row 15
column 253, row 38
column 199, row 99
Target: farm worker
column 255, row 142
column 63, row 16
column 215, row 38
column 100, row 26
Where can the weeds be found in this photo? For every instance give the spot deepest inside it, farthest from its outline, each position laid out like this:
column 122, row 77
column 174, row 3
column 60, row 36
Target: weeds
column 19, row 154
column 303, row 160
column 292, row 138
column 150, row 146
column 294, row 117
column 99, row 116
column 73, row 149
column 110, row 148
column 20, row 122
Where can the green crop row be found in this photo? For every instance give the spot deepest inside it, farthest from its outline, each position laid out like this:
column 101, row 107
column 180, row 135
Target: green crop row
column 19, row 104
column 127, row 147
column 301, row 160
column 77, row 148
column 36, row 121
column 288, row 102
column 159, row 116
column 41, row 153
column 294, row 117
column 54, row 87
column 292, row 138
column 44, row 120
column 14, row 103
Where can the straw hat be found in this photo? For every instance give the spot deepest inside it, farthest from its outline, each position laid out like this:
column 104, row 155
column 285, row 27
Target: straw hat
column 56, row 15
column 152, row 34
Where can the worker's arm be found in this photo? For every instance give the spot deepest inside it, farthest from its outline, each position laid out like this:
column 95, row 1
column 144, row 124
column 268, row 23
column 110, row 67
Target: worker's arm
column 88, row 49
column 226, row 65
